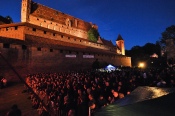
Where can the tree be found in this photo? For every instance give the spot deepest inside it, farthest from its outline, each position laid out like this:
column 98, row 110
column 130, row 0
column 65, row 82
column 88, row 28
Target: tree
column 9, row 19
column 143, row 53
column 5, row 20
column 93, row 34
column 169, row 33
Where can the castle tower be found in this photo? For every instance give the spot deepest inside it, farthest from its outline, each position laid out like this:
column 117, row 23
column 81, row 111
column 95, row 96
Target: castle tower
column 120, row 44
column 25, row 10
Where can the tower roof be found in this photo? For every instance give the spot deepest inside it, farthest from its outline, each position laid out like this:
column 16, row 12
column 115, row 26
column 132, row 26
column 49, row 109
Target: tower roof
column 119, row 38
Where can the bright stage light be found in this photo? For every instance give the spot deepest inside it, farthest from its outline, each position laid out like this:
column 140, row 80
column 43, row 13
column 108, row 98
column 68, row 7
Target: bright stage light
column 141, row 65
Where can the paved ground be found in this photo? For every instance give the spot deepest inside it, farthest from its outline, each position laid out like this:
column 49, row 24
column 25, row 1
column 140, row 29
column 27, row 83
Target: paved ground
column 13, row 95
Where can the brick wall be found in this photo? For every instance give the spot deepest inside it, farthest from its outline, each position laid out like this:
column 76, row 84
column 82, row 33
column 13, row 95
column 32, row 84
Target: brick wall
column 28, row 59
column 12, row 32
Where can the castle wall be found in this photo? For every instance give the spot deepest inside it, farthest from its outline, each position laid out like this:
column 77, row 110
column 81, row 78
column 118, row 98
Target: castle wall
column 12, row 32
column 33, row 59
column 19, row 31
column 57, row 27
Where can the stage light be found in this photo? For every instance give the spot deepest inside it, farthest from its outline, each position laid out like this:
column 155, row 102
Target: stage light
column 141, row 65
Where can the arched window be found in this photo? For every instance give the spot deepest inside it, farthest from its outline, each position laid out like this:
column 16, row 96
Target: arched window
column 68, row 22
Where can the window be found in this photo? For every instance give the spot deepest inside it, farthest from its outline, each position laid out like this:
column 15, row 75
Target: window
column 6, row 45
column 39, row 48
column 16, row 27
column 44, row 32
column 34, row 29
column 54, row 34
column 61, row 36
column 24, row 47
column 7, row 29
column 68, row 37
column 51, row 50
column 38, row 19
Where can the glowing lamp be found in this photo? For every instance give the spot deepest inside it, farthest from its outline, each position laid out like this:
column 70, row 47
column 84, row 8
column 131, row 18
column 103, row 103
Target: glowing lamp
column 141, row 65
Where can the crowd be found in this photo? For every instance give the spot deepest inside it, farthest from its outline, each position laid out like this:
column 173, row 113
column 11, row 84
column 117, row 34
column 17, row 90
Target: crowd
column 84, row 92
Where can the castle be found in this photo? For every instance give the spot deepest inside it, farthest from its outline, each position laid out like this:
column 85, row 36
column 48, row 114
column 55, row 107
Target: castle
column 49, row 40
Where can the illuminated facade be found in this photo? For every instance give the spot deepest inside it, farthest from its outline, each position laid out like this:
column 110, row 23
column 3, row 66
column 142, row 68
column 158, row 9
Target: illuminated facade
column 57, row 39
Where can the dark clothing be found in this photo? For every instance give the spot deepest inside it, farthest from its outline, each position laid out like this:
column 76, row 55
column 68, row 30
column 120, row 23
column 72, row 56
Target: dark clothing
column 14, row 112
column 102, row 102
column 82, row 109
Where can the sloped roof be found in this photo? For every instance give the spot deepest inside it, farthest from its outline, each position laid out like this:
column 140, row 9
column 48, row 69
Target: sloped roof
column 119, row 38
column 47, row 13
column 106, row 42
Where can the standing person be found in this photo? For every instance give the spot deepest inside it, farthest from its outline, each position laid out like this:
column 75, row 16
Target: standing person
column 15, row 111
column 82, row 107
column 4, row 81
column 92, row 104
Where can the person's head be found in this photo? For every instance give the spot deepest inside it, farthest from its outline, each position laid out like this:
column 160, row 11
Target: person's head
column 115, row 94
column 71, row 112
column 101, row 97
column 121, row 95
column 14, row 106
column 90, row 96
column 79, row 91
column 109, row 98
column 107, row 83
column 92, row 105
column 112, row 91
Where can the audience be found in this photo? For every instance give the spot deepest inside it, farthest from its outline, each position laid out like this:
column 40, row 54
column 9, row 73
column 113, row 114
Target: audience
column 78, row 92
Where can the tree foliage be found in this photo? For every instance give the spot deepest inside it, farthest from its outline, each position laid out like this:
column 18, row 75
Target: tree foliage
column 9, row 19
column 93, row 34
column 143, row 53
column 6, row 20
column 169, row 33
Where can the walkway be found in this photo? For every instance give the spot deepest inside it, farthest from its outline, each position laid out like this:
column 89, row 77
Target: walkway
column 13, row 95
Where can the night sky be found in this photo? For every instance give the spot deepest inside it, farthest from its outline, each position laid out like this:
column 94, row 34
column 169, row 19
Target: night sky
column 137, row 21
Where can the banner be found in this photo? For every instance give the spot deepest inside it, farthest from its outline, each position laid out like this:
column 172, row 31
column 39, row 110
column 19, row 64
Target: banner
column 70, row 56
column 88, row 56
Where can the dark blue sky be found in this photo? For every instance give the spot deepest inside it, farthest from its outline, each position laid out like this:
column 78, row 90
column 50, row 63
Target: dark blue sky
column 138, row 21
